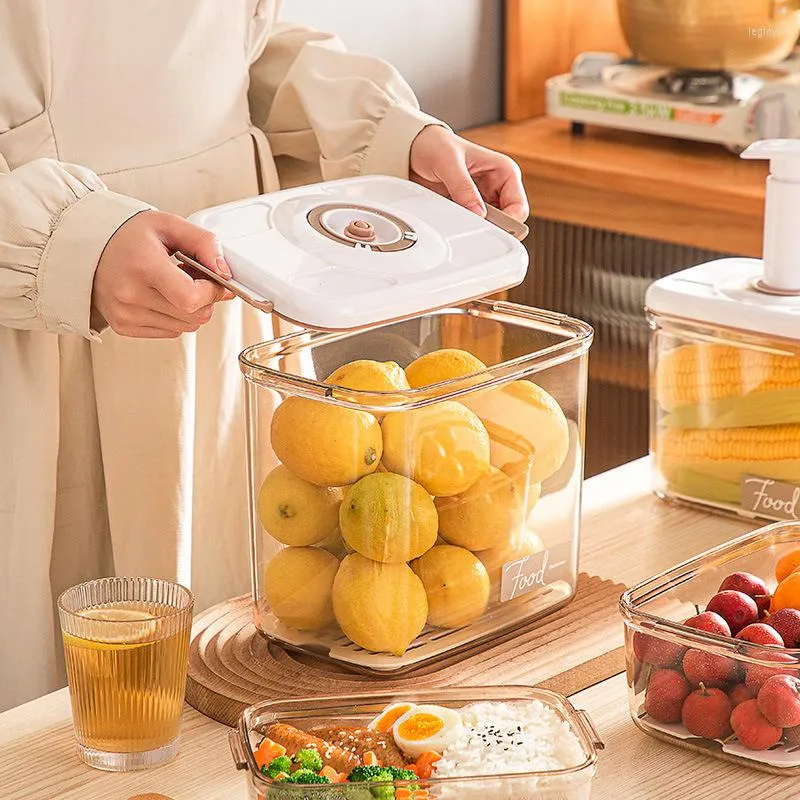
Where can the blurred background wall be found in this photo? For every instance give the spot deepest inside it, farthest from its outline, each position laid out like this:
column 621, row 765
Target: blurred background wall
column 450, row 51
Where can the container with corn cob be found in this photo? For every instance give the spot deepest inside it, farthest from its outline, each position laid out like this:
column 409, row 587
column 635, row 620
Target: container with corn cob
column 726, row 418
column 725, row 365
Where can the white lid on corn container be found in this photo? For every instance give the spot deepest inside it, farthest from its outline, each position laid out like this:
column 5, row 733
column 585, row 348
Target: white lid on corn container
column 360, row 251
column 748, row 294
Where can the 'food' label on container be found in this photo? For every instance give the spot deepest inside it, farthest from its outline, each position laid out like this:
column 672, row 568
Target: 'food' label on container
column 534, row 571
column 771, row 498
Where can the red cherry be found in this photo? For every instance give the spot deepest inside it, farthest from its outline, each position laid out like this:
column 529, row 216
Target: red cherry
column 759, row 633
column 753, row 730
column 666, row 692
column 710, row 669
column 744, row 582
column 709, row 622
column 736, row 608
column 707, row 713
column 655, row 650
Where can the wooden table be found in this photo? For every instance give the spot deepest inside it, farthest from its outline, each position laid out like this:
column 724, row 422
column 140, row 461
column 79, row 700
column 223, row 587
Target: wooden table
column 683, row 192
column 627, row 535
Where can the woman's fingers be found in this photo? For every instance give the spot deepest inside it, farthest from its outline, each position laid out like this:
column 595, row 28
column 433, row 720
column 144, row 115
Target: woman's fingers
column 139, row 290
column 131, row 320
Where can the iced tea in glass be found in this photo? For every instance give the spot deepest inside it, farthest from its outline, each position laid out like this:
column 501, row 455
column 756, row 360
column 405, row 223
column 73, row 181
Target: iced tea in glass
column 126, row 643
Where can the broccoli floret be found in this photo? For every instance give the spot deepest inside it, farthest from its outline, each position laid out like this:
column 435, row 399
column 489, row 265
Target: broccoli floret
column 402, row 774
column 368, row 774
column 309, row 758
column 376, row 774
column 306, row 776
column 277, row 765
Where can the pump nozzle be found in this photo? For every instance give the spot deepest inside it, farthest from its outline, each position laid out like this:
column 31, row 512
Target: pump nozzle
column 781, row 214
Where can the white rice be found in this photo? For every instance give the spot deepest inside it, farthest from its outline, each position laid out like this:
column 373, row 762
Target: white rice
column 506, row 738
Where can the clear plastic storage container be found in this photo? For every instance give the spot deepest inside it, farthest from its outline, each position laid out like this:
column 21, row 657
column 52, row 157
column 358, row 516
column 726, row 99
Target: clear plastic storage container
column 391, row 527
column 669, row 662
column 572, row 742
column 415, row 455
column 725, row 359
column 725, row 417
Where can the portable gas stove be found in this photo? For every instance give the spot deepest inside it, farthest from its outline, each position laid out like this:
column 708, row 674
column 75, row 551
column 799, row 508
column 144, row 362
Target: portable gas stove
column 731, row 109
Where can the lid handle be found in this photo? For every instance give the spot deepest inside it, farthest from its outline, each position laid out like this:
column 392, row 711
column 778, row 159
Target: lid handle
column 585, row 722
column 781, row 231
column 237, row 751
column 519, row 230
column 234, row 288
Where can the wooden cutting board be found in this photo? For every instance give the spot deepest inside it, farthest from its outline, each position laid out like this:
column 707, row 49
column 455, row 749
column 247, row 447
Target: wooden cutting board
column 232, row 666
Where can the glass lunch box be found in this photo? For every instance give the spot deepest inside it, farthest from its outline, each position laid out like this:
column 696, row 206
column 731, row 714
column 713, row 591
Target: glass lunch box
column 668, row 661
column 569, row 783
column 391, row 527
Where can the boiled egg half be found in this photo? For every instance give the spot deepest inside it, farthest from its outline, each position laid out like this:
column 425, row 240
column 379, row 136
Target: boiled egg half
column 425, row 728
column 385, row 721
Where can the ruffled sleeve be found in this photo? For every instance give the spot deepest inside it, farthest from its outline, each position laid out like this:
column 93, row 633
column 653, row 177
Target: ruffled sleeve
column 55, row 221
column 349, row 114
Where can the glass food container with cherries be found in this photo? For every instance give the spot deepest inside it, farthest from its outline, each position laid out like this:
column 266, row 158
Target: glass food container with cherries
column 725, row 367
column 548, row 753
column 713, row 651
column 415, row 454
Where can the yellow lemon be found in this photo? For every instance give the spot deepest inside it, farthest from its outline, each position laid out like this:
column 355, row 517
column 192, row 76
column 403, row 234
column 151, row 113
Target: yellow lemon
column 444, row 447
column 528, row 491
column 370, row 376
column 524, row 421
column 298, row 582
column 522, row 543
column 456, row 583
column 380, row 607
column 485, row 515
column 389, row 518
column 325, row 444
column 296, row 512
column 442, row 365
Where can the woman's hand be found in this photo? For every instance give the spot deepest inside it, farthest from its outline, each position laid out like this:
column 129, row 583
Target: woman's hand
column 140, row 292
column 467, row 173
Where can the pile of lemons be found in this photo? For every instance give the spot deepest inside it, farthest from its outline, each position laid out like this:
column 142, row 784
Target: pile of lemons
column 394, row 522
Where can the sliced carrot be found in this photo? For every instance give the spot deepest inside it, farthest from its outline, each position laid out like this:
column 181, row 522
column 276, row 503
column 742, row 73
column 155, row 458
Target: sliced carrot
column 421, row 794
column 424, row 765
column 332, row 775
column 267, row 751
column 402, row 793
column 281, row 776
column 370, row 759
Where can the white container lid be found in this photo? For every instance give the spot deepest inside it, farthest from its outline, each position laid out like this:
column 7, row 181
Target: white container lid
column 724, row 293
column 360, row 251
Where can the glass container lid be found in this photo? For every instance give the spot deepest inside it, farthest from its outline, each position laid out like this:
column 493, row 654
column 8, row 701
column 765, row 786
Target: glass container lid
column 361, row 251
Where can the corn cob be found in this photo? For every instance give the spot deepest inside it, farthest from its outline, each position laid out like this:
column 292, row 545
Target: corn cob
column 702, row 373
column 726, row 454
column 704, row 487
column 778, row 407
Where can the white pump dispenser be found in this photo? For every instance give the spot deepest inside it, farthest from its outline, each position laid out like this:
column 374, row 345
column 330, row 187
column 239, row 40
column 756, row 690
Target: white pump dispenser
column 781, row 215
column 748, row 294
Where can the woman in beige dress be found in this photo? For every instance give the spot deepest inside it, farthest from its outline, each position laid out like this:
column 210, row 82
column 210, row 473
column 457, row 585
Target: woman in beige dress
column 121, row 438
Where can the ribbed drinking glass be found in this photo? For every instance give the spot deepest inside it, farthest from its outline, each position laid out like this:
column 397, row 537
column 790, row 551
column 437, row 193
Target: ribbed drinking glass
column 126, row 643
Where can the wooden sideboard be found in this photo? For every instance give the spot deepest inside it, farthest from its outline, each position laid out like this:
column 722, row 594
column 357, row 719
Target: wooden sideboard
column 650, row 186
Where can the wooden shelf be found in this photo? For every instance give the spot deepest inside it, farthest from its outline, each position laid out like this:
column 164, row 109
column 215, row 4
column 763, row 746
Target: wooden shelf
column 674, row 191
